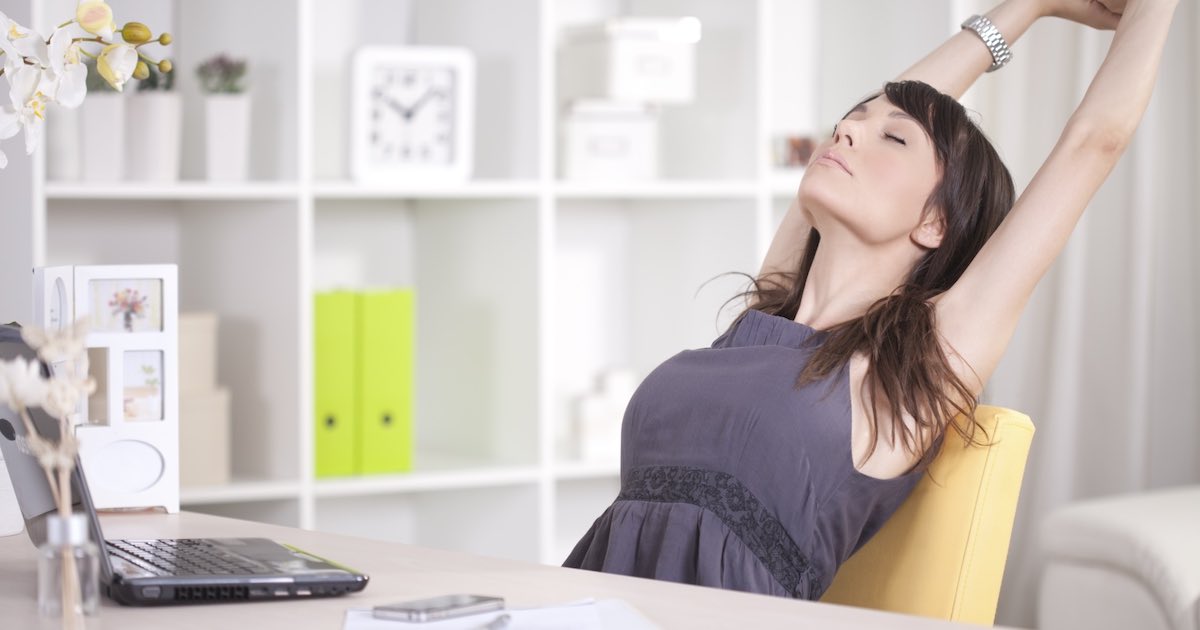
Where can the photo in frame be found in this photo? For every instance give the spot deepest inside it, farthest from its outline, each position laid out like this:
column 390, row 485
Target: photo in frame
column 125, row 305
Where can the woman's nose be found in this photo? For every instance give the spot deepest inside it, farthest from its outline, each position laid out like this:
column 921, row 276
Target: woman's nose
column 845, row 131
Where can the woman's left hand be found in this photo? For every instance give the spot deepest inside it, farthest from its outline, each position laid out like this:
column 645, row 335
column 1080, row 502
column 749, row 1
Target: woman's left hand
column 1093, row 13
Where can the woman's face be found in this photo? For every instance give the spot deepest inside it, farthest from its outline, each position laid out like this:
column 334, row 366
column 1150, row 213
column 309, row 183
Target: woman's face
column 874, row 176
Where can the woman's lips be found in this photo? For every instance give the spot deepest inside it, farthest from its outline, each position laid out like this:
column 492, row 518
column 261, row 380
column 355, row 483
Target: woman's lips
column 834, row 159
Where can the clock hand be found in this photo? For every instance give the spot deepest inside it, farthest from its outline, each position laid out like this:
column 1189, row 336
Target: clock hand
column 412, row 109
column 392, row 103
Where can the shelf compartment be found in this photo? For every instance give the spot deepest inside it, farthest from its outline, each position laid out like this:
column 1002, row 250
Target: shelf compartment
column 495, row 521
column 636, row 283
column 504, row 38
column 716, row 134
column 474, row 267
column 236, row 259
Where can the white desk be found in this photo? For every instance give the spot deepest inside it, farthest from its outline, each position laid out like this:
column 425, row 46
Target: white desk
column 400, row 572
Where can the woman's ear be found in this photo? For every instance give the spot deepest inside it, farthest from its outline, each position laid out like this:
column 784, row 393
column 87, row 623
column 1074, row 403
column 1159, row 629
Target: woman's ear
column 929, row 234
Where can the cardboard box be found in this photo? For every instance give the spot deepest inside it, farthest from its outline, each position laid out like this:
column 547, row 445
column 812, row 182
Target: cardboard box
column 604, row 140
column 197, row 353
column 641, row 59
column 204, row 442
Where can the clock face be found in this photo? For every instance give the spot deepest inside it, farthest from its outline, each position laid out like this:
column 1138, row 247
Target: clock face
column 411, row 118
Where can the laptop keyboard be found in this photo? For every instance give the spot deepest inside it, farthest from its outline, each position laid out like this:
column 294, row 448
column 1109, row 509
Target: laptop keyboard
column 184, row 556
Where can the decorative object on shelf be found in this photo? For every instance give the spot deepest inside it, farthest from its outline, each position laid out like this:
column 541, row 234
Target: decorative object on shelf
column 129, row 429
column 364, row 382
column 43, row 71
column 790, row 153
column 67, row 572
column 610, row 140
column 153, row 127
column 614, row 76
column 413, row 114
column 203, row 405
column 101, row 131
column 227, row 108
column 631, row 59
column 598, row 416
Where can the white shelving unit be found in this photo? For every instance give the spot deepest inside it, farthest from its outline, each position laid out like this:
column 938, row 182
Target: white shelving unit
column 527, row 286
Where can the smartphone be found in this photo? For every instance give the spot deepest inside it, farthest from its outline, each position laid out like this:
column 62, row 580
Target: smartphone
column 442, row 607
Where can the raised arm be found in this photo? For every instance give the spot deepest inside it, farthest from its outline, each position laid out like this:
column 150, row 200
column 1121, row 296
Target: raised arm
column 978, row 315
column 951, row 68
column 956, row 64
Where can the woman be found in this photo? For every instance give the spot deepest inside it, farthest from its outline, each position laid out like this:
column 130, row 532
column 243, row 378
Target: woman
column 884, row 303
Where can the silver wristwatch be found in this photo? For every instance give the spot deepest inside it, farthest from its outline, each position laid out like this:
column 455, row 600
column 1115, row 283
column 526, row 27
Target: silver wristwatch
column 992, row 37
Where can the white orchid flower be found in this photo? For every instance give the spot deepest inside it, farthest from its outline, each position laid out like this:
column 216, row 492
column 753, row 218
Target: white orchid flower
column 96, row 17
column 116, row 64
column 28, row 108
column 68, row 72
column 18, row 43
column 12, row 58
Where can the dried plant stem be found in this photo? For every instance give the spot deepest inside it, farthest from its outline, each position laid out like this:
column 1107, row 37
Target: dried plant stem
column 72, row 603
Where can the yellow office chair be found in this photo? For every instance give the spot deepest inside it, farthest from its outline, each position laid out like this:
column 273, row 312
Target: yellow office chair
column 942, row 554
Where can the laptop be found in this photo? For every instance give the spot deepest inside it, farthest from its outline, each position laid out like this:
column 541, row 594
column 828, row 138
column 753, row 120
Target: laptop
column 163, row 571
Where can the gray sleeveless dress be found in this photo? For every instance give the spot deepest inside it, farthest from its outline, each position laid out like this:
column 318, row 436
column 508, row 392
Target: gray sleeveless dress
column 731, row 477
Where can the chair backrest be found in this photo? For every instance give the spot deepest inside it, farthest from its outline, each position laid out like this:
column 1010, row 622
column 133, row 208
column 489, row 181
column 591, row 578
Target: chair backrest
column 942, row 554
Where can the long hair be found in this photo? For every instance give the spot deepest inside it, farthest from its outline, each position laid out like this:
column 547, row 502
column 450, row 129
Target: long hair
column 898, row 333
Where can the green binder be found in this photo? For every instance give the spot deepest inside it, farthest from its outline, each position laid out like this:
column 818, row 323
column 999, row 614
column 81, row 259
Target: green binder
column 334, row 364
column 387, row 333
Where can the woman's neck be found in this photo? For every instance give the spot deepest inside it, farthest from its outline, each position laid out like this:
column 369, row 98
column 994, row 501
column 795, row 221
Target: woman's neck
column 847, row 276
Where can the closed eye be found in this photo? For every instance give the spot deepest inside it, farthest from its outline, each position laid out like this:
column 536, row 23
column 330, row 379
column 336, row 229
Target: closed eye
column 895, row 138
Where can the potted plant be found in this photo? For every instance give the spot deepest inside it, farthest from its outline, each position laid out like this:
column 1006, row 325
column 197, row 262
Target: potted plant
column 153, row 126
column 226, row 117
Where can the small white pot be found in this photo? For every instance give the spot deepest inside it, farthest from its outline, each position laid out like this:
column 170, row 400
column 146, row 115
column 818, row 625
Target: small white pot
column 227, row 132
column 102, row 137
column 62, row 144
column 153, row 124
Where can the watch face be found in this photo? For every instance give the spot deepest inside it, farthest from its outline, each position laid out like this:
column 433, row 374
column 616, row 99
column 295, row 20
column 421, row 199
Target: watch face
column 412, row 115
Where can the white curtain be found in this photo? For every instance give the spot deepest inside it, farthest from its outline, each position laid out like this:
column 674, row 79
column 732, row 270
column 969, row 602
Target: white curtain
column 1105, row 359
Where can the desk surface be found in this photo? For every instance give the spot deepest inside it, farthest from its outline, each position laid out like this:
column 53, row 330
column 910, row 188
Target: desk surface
column 400, row 572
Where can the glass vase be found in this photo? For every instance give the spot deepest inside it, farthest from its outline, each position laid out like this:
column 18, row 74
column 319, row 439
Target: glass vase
column 68, row 571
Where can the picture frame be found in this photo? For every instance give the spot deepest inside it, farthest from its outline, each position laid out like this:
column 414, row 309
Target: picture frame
column 128, row 430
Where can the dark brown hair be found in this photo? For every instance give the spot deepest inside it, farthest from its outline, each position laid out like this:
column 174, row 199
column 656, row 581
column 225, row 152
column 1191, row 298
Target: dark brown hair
column 898, row 332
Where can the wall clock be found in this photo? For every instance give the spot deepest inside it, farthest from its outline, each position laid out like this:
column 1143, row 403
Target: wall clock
column 413, row 114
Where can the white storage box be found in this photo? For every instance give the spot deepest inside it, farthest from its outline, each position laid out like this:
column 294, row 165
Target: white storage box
column 204, row 438
column 605, row 140
column 631, row 59
column 197, row 352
